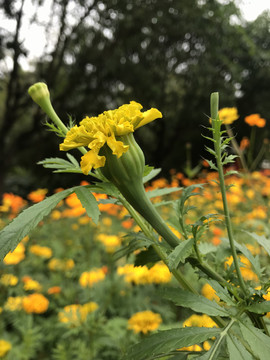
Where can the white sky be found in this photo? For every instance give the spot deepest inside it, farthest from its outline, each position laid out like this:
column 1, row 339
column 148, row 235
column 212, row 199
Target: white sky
column 34, row 38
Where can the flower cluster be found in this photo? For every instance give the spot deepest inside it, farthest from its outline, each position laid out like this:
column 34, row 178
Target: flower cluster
column 141, row 275
column 255, row 120
column 144, row 321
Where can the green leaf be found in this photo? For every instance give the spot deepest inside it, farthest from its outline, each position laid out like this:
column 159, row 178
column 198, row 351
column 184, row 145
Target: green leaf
column 147, row 257
column 260, row 308
column 262, row 240
column 180, row 253
column 236, row 350
column 257, row 340
column 169, row 340
column 89, row 202
column 197, row 303
column 135, row 241
column 27, row 220
column 153, row 173
column 221, row 292
column 229, row 159
column 162, row 192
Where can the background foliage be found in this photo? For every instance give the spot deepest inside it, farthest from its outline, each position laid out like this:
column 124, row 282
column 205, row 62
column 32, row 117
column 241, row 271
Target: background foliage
column 99, row 54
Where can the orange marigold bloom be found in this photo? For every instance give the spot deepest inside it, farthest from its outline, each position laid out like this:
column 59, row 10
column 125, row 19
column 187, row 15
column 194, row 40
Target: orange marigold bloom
column 35, row 303
column 54, row 290
column 12, row 202
column 255, row 120
column 37, row 195
column 244, row 143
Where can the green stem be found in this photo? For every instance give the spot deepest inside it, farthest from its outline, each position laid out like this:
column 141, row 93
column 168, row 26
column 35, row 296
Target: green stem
column 237, row 148
column 251, row 146
column 217, row 145
column 258, row 158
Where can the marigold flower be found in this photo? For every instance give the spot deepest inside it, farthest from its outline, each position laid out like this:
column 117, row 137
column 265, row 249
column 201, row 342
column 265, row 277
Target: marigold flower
column 228, row 115
column 209, row 292
column 244, row 143
column 9, row 280
column 111, row 242
column 35, row 303
column 144, row 321
column 37, row 195
column 5, row 347
column 199, row 321
column 54, row 290
column 56, row 264
column 141, row 275
column 42, row 251
column 13, row 303
column 255, row 120
column 89, row 278
column 13, row 258
column 12, row 202
column 75, row 314
column 95, row 132
column 31, row 285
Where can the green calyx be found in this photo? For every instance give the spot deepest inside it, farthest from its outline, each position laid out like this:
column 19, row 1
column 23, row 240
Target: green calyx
column 126, row 173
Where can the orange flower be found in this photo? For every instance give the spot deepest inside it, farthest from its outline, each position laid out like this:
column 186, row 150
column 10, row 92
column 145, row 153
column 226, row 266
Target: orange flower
column 12, row 202
column 255, row 120
column 37, row 195
column 244, row 143
column 35, row 303
column 54, row 290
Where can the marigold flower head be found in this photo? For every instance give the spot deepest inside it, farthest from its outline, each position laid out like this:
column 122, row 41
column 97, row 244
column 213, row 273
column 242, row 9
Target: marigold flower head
column 244, row 143
column 5, row 347
column 9, row 280
column 144, row 321
column 12, row 202
column 37, row 195
column 56, row 264
column 54, row 290
column 75, row 314
column 106, row 128
column 89, row 278
column 15, row 257
column 35, row 303
column 42, row 251
column 209, row 292
column 111, row 242
column 13, row 303
column 228, row 115
column 199, row 321
column 255, row 120
column 31, row 285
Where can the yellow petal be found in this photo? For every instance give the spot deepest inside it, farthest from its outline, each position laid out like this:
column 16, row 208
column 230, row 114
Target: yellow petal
column 91, row 160
column 149, row 116
column 117, row 147
column 77, row 136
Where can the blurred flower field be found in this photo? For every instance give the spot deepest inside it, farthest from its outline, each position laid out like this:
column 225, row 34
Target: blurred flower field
column 76, row 290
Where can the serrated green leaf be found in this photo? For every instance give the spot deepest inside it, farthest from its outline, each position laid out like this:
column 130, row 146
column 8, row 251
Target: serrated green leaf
column 135, row 241
column 231, row 172
column 236, row 350
column 27, row 220
column 211, row 151
column 229, row 159
column 260, row 308
column 257, row 340
column 169, row 340
column 262, row 240
column 162, row 192
column 211, row 164
column 89, row 202
column 180, row 253
column 147, row 257
column 197, row 303
column 221, row 292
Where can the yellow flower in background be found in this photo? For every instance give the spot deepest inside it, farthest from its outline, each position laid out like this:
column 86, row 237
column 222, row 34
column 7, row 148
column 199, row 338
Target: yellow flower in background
column 37, row 195
column 15, row 257
column 228, row 115
column 5, row 347
column 89, row 278
column 208, row 292
column 42, row 251
column 75, row 314
column 111, row 242
column 255, row 120
column 144, row 321
column 9, row 280
column 13, row 303
column 30, row 284
column 199, row 321
column 35, row 303
column 95, row 132
column 56, row 264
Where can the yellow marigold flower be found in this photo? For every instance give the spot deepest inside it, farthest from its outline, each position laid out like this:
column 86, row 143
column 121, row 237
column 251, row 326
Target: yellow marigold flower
column 209, row 292
column 246, row 270
column 13, row 303
column 56, row 264
column 255, row 120
column 159, row 274
column 95, row 132
column 134, row 274
column 191, row 348
column 35, row 303
column 37, row 195
column 5, row 347
column 56, row 214
column 42, row 251
column 228, row 115
column 111, row 242
column 144, row 321
column 13, row 258
column 75, row 314
column 9, row 280
column 32, row 285
column 89, row 278
column 199, row 321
